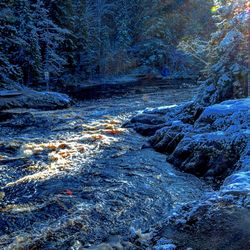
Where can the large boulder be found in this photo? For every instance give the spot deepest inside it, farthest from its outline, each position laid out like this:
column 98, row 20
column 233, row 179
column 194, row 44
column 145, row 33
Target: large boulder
column 27, row 98
column 211, row 145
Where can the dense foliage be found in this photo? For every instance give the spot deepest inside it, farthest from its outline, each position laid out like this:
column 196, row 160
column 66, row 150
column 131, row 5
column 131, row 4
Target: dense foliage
column 227, row 53
column 76, row 39
column 80, row 39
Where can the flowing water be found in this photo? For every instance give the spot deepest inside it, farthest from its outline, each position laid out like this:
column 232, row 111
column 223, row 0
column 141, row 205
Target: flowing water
column 71, row 178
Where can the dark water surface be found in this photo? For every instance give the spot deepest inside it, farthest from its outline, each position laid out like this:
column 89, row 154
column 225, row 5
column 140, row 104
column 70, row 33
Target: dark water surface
column 70, row 178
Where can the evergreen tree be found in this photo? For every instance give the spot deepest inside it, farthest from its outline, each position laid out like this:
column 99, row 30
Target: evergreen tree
column 50, row 36
column 28, row 56
column 228, row 66
column 123, row 38
column 84, row 31
column 103, row 11
column 9, row 42
column 62, row 13
column 40, row 38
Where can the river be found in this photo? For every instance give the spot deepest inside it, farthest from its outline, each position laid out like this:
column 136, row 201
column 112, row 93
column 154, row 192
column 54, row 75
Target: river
column 71, row 178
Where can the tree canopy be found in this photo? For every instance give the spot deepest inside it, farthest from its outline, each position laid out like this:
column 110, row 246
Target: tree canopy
column 82, row 39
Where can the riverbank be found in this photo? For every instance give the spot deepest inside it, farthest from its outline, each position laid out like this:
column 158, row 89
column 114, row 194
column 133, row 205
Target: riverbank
column 215, row 147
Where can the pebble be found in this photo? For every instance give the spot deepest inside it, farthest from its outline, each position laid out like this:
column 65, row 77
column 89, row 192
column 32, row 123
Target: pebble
column 163, row 241
column 165, row 244
column 166, row 247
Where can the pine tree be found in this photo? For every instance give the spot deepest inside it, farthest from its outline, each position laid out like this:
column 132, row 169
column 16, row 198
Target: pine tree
column 28, row 56
column 228, row 66
column 123, row 39
column 50, row 36
column 40, row 38
column 103, row 11
column 9, row 42
column 83, row 30
column 63, row 13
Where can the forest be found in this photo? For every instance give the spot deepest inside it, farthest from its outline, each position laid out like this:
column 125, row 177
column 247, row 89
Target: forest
column 78, row 40
column 124, row 124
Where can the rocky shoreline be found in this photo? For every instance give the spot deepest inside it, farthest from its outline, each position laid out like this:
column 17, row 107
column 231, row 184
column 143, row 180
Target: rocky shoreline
column 215, row 146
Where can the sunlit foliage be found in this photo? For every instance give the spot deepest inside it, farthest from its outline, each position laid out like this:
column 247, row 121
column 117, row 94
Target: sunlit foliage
column 227, row 53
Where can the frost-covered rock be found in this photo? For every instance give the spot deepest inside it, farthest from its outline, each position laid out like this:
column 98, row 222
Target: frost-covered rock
column 167, row 138
column 239, row 181
column 27, row 98
column 229, row 39
column 213, row 145
column 166, row 247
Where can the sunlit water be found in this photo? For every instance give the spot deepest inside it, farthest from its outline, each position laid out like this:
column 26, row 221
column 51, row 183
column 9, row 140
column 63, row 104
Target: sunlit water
column 70, row 178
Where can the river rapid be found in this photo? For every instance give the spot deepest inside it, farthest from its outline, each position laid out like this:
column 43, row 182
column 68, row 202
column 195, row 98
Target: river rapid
column 71, row 179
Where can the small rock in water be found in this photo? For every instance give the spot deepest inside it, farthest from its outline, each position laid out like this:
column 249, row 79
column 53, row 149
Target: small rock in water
column 2, row 195
column 163, row 241
column 165, row 244
column 132, row 232
column 166, row 247
column 77, row 245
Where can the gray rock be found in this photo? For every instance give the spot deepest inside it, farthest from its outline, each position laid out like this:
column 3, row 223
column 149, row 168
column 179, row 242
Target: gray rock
column 214, row 143
column 212, row 146
column 27, row 98
column 164, row 241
